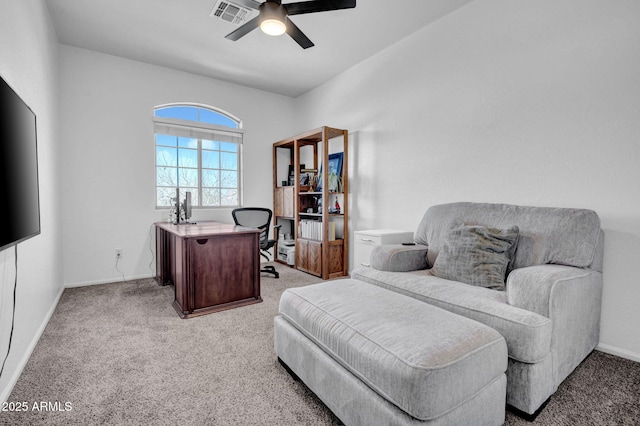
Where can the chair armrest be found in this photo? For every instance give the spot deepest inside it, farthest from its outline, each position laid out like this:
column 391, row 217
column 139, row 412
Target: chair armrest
column 535, row 288
column 571, row 298
column 399, row 258
column 277, row 229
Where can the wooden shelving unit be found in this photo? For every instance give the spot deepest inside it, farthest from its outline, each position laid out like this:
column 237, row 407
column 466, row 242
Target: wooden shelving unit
column 306, row 212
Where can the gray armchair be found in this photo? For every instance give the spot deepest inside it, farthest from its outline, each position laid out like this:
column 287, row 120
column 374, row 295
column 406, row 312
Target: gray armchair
column 549, row 313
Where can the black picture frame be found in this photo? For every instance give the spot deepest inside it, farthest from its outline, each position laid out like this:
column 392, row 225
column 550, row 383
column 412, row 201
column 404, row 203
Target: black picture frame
column 334, row 165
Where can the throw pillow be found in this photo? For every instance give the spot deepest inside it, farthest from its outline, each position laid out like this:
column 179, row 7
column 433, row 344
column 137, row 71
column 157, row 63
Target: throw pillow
column 477, row 255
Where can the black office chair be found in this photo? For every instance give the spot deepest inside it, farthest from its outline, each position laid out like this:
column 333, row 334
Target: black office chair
column 258, row 217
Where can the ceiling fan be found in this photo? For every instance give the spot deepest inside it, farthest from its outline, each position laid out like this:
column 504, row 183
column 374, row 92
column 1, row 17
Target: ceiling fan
column 273, row 17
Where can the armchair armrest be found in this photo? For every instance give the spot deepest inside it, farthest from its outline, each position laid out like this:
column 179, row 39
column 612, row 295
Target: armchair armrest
column 534, row 288
column 399, row 258
column 571, row 298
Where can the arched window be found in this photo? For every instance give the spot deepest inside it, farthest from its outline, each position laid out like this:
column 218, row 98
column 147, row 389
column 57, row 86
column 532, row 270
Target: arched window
column 198, row 149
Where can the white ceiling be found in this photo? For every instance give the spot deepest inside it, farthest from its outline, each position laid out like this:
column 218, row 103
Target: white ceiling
column 180, row 34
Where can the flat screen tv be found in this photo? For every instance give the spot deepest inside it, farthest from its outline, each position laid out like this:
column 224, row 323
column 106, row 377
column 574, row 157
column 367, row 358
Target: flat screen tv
column 19, row 196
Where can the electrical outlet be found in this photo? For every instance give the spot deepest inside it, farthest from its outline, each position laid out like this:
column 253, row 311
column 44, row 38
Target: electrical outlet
column 118, row 253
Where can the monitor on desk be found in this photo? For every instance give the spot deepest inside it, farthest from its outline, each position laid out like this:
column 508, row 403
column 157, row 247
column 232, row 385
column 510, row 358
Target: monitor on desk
column 187, row 206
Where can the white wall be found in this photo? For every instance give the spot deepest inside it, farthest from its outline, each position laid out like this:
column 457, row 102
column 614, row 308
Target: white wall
column 28, row 63
column 528, row 102
column 108, row 158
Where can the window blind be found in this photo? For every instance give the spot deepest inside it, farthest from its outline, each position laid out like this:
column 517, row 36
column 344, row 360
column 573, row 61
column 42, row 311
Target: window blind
column 190, row 129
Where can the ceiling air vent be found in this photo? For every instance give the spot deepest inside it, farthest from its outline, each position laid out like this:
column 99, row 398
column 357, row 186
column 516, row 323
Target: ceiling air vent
column 230, row 12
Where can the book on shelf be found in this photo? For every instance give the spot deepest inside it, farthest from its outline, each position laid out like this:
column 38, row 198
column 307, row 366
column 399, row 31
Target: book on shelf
column 332, row 231
column 313, row 230
column 310, row 229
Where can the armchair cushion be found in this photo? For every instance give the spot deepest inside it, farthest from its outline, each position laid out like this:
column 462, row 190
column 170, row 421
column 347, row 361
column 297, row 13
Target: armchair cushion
column 477, row 255
column 399, row 258
column 527, row 333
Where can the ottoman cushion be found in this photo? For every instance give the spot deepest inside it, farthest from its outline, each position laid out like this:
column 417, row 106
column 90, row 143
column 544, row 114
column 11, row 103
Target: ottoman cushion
column 423, row 359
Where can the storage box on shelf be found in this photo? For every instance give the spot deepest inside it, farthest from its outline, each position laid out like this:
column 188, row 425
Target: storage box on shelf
column 283, row 202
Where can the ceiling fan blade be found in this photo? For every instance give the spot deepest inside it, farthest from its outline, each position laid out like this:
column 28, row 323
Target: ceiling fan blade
column 318, row 6
column 249, row 4
column 298, row 35
column 244, row 29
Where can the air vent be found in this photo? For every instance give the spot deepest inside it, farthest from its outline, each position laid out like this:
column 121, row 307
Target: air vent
column 230, row 12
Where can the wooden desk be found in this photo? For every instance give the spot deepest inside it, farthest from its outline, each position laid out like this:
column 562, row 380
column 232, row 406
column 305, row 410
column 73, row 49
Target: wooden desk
column 212, row 265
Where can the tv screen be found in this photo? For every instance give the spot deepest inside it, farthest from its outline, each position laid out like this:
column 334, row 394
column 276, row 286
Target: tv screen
column 19, row 198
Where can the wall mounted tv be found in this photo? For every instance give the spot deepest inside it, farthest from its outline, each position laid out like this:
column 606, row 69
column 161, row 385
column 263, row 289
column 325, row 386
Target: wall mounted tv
column 19, row 197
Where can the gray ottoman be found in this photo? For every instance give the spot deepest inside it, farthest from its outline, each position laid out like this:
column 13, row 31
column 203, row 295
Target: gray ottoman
column 376, row 357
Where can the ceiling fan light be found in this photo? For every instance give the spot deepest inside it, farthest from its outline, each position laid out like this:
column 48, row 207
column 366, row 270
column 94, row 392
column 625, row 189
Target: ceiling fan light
column 272, row 18
column 273, row 27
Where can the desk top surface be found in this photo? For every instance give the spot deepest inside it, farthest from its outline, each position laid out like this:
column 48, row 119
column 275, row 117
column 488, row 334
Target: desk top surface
column 203, row 229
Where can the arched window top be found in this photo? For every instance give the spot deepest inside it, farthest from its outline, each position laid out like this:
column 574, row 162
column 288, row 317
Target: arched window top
column 198, row 113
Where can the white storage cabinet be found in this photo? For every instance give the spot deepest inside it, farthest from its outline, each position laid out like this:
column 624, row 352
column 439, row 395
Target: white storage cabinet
column 365, row 241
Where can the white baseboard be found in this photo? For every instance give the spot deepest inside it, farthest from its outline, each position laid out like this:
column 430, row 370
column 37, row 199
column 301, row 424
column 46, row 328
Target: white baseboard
column 623, row 353
column 6, row 392
column 108, row 281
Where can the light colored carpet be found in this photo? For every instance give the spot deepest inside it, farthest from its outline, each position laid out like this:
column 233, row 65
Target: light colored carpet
column 119, row 354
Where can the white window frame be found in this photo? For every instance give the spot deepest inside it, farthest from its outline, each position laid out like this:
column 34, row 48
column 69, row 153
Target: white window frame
column 199, row 130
